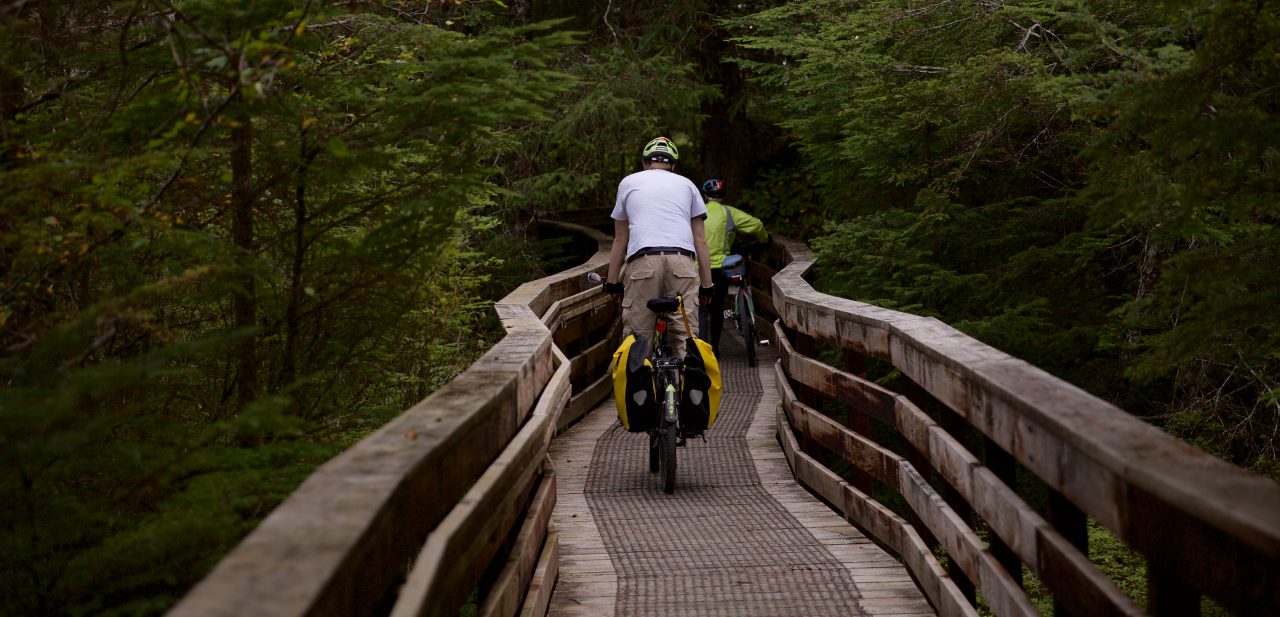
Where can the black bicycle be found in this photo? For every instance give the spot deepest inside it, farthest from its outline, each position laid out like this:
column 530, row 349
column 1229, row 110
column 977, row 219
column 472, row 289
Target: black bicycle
column 667, row 376
column 665, row 438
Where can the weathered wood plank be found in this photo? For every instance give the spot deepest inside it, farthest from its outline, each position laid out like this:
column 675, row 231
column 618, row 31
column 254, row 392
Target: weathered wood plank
column 460, row 548
column 574, row 317
column 855, row 391
column 592, row 358
column 877, row 520
column 538, row 599
column 963, row 545
column 587, row 400
column 337, row 545
column 508, row 591
column 1090, row 590
column 880, row 462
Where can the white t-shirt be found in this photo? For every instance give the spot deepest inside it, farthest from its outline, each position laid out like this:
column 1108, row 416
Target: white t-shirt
column 658, row 204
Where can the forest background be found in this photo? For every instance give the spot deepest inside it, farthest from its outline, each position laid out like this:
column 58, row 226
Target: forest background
column 238, row 236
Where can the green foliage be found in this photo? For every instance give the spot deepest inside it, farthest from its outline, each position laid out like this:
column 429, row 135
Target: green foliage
column 1086, row 184
column 634, row 81
column 1118, row 563
column 240, row 236
column 1189, row 161
column 790, row 201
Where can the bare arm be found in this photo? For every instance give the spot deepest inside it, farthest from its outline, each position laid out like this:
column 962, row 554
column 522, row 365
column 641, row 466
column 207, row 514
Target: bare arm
column 700, row 244
column 618, row 252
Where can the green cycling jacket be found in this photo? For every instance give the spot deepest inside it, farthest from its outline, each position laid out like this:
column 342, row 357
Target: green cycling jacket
column 720, row 232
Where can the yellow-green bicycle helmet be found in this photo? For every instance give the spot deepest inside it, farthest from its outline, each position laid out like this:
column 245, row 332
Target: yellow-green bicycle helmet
column 660, row 150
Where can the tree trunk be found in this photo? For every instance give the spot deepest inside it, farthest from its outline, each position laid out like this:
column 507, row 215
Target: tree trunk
column 289, row 371
column 521, row 12
column 1148, row 271
column 733, row 146
column 244, row 306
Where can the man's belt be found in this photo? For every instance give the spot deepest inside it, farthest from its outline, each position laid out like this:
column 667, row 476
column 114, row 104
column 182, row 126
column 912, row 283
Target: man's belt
column 660, row 250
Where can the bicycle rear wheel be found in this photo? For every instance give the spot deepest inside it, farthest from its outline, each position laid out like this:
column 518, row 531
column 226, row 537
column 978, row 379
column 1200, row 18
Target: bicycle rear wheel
column 746, row 324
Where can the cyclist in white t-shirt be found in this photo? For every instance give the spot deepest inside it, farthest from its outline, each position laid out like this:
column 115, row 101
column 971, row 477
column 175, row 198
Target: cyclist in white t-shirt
column 658, row 244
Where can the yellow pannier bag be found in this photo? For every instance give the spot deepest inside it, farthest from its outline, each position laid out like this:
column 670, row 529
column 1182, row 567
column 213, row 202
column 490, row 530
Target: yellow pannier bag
column 632, row 375
column 700, row 391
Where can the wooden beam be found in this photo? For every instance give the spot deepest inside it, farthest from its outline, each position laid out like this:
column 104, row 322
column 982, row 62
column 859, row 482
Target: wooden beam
column 1109, row 464
column 1064, row 569
column 538, row 599
column 512, row 584
column 586, row 400
column 851, row 390
column 460, row 548
column 880, row 522
column 338, row 544
column 592, row 359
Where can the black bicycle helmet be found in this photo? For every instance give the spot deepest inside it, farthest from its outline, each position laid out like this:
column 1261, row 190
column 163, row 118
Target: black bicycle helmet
column 713, row 187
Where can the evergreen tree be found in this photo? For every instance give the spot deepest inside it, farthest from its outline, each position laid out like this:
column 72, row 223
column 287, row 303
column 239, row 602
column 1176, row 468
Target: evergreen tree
column 1087, row 184
column 228, row 227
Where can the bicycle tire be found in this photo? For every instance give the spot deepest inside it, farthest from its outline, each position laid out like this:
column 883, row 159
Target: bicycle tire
column 667, row 445
column 654, row 455
column 746, row 324
column 668, row 448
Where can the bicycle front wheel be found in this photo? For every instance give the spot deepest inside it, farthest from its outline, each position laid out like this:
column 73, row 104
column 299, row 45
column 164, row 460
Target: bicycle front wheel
column 746, row 324
column 668, row 447
column 654, row 454
column 667, row 435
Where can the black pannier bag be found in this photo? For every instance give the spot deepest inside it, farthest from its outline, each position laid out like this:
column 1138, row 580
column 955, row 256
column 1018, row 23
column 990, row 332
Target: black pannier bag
column 632, row 375
column 700, row 388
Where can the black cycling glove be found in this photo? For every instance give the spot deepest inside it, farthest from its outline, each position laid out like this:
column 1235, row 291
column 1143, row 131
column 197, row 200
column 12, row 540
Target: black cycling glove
column 705, row 293
column 613, row 289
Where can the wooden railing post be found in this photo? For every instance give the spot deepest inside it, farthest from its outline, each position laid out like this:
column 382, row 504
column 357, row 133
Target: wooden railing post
column 1074, row 527
column 920, row 461
column 1003, row 465
column 1167, row 596
column 856, row 419
column 952, row 423
column 805, row 346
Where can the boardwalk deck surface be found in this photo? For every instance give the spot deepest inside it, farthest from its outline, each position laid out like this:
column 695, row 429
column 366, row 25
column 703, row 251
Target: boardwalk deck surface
column 738, row 537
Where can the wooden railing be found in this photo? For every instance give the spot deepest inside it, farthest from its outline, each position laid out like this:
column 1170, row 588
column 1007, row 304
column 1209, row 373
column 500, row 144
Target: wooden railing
column 1204, row 526
column 453, row 496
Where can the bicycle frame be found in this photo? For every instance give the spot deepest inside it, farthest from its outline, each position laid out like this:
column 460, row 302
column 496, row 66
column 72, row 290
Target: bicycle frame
column 666, row 366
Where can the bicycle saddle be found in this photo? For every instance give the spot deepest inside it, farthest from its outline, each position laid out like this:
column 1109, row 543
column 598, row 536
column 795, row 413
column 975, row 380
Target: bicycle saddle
column 664, row 304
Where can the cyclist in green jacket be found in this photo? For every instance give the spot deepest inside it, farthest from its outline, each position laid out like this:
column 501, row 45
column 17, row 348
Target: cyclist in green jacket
column 723, row 224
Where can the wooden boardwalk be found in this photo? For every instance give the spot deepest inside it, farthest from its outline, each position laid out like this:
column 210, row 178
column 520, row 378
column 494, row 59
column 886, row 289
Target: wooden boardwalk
column 738, row 537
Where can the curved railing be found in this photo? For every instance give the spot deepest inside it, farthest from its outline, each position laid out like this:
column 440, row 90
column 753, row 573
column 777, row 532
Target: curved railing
column 1205, row 526
column 453, row 496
